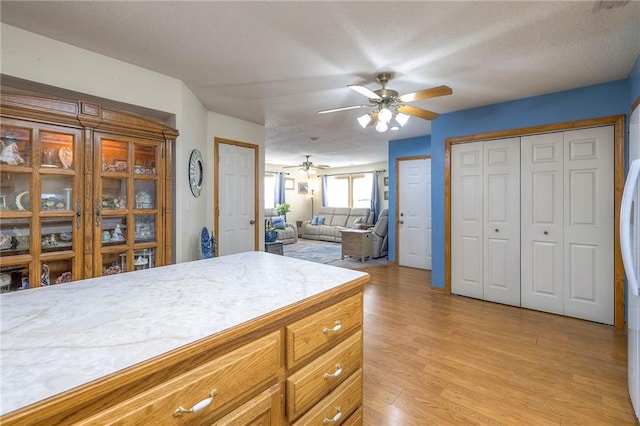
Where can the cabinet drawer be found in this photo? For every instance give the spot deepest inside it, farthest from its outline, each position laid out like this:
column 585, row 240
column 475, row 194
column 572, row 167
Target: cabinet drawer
column 355, row 419
column 265, row 409
column 322, row 329
column 321, row 376
column 338, row 405
column 232, row 376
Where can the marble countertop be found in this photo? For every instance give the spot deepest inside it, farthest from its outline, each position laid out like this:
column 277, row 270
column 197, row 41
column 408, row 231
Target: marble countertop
column 55, row 338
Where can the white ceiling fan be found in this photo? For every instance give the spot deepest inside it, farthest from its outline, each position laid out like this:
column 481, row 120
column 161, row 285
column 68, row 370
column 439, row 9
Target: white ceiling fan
column 390, row 109
column 308, row 167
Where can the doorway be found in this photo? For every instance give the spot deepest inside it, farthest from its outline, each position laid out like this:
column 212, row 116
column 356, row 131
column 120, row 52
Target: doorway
column 235, row 200
column 413, row 212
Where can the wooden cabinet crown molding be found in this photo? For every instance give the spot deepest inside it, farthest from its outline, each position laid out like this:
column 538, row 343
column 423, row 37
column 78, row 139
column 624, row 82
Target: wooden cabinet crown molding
column 17, row 103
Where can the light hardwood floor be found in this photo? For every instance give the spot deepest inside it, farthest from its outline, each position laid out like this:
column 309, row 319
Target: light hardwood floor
column 432, row 358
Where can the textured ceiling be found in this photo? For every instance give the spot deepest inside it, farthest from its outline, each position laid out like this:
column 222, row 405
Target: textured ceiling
column 278, row 63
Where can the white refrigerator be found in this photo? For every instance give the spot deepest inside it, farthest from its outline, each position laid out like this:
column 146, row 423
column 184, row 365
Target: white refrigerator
column 630, row 246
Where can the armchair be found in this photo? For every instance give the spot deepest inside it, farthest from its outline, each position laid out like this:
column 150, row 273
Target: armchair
column 379, row 235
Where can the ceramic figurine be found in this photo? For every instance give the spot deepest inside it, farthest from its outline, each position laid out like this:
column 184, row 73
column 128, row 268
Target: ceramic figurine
column 205, row 243
column 117, row 234
column 45, row 278
column 106, row 236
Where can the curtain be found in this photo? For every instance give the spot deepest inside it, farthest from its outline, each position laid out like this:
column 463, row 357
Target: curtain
column 375, row 202
column 279, row 189
column 325, row 200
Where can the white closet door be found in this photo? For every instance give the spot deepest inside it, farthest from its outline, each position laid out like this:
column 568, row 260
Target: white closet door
column 588, row 218
column 466, row 219
column 502, row 221
column 542, row 222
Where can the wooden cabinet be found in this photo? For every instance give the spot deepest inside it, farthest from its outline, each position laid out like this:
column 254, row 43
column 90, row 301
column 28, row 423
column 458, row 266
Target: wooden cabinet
column 301, row 364
column 84, row 191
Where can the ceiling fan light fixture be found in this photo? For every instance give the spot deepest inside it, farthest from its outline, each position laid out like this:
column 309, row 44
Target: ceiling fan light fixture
column 381, row 126
column 364, row 120
column 385, row 115
column 394, row 127
column 402, row 119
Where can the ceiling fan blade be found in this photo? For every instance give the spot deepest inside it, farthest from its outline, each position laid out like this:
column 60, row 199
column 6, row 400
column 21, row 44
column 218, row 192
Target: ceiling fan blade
column 426, row 93
column 343, row 109
column 417, row 112
column 364, row 91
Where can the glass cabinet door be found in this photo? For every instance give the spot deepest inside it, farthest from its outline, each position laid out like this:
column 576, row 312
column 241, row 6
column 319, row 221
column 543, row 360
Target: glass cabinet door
column 128, row 190
column 40, row 205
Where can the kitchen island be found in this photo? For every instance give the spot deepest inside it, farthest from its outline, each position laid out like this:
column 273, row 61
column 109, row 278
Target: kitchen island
column 228, row 337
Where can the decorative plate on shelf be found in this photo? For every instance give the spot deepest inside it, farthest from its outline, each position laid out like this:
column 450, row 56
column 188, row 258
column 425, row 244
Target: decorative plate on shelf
column 66, row 157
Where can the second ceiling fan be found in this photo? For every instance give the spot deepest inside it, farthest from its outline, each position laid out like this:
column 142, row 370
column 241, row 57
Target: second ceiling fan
column 308, row 167
column 391, row 110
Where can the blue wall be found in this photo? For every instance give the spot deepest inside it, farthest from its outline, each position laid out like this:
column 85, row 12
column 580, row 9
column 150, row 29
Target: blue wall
column 397, row 149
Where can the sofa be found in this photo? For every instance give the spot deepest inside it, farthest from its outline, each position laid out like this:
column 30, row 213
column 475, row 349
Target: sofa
column 334, row 219
column 289, row 234
column 379, row 235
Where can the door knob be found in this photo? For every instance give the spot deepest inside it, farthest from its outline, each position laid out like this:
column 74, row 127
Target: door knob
column 546, row 232
column 497, row 230
column 252, row 222
column 401, row 222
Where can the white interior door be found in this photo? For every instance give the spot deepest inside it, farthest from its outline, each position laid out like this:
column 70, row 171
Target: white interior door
column 588, row 219
column 236, row 199
column 501, row 251
column 466, row 219
column 542, row 231
column 414, row 209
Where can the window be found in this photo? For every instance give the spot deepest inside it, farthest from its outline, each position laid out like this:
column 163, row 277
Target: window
column 269, row 190
column 349, row 191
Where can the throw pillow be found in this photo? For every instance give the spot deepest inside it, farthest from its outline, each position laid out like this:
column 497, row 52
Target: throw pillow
column 320, row 220
column 357, row 222
column 314, row 220
column 278, row 222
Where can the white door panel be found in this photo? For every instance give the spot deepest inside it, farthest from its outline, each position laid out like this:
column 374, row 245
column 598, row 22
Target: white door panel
column 542, row 222
column 501, row 221
column 588, row 247
column 236, row 219
column 414, row 216
column 466, row 220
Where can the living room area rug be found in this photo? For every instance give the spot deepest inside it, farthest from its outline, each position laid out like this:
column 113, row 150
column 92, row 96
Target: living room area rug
column 328, row 253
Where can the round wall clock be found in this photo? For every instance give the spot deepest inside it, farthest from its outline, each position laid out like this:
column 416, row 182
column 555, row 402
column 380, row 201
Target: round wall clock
column 196, row 172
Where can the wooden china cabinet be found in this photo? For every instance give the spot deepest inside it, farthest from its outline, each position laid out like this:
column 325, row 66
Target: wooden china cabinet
column 85, row 191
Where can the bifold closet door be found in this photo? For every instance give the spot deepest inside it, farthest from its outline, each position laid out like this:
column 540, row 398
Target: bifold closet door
column 501, row 251
column 485, row 220
column 567, row 223
column 542, row 222
column 467, row 219
column 588, row 219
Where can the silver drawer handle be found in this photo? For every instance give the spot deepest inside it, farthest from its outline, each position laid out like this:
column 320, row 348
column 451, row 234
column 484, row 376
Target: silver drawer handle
column 335, row 418
column 199, row 406
column 335, row 328
column 334, row 374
